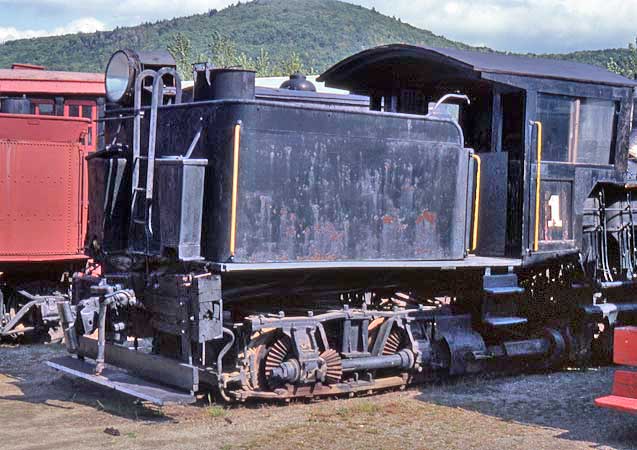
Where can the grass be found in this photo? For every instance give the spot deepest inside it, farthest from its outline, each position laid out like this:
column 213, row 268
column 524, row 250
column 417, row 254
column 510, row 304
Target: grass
column 216, row 411
column 365, row 407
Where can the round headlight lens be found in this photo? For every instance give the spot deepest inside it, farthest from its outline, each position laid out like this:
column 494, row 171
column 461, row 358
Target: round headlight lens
column 118, row 77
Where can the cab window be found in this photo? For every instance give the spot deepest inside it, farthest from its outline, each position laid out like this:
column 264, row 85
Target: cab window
column 580, row 130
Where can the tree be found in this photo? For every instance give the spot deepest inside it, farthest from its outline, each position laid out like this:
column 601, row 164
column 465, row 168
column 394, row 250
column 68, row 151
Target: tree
column 223, row 52
column 181, row 49
column 291, row 64
column 244, row 61
column 628, row 66
column 262, row 64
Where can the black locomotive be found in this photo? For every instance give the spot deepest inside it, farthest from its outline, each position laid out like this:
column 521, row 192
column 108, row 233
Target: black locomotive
column 285, row 244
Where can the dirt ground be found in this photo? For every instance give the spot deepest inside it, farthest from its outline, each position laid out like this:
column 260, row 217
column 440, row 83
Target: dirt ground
column 39, row 409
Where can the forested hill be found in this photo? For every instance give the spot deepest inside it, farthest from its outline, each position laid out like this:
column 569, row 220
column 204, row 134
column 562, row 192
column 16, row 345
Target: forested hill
column 321, row 32
column 272, row 36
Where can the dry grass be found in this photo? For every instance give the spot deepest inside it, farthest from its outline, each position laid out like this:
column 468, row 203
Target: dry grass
column 41, row 410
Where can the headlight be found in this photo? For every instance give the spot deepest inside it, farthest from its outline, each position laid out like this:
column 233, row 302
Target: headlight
column 120, row 73
column 122, row 70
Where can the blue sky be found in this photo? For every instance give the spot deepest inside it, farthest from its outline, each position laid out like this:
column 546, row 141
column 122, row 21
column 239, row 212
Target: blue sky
column 514, row 25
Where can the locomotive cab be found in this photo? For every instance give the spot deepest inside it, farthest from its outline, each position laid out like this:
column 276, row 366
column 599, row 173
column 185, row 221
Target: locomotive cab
column 584, row 113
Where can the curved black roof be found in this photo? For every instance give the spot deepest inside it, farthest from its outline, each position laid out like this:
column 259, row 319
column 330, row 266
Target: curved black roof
column 483, row 62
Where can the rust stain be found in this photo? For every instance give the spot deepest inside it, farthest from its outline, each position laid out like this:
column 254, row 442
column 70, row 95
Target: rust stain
column 428, row 216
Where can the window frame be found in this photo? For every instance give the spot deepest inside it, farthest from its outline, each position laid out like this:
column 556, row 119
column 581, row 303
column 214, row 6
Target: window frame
column 575, row 131
column 81, row 104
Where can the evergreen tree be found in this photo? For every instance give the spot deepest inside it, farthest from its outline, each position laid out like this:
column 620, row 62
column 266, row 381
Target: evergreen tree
column 223, row 52
column 181, row 49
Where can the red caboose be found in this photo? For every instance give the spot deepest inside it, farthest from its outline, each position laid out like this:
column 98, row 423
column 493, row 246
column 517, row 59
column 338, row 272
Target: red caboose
column 47, row 127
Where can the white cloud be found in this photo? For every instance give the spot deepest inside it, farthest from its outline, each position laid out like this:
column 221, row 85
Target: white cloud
column 515, row 25
column 521, row 25
column 83, row 25
column 118, row 12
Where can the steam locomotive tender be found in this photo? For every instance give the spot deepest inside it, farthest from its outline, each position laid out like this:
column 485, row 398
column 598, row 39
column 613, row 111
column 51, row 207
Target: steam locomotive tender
column 299, row 246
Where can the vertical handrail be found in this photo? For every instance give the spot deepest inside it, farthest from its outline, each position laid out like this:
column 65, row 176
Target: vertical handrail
column 156, row 101
column 476, row 205
column 137, row 133
column 538, row 181
column 235, row 186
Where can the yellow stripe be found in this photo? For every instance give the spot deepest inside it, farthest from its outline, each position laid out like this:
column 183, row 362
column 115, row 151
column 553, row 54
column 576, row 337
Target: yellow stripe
column 536, row 237
column 235, row 187
column 476, row 206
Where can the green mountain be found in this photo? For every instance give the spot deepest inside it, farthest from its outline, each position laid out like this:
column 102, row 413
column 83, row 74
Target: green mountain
column 624, row 59
column 321, row 32
column 317, row 33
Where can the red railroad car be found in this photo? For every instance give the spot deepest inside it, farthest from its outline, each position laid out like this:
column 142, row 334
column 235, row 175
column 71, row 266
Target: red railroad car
column 56, row 93
column 624, row 395
column 47, row 128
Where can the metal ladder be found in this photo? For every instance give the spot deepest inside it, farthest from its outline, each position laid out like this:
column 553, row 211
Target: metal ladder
column 141, row 213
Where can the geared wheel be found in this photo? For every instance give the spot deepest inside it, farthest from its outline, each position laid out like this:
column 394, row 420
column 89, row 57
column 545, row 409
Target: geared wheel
column 253, row 363
column 394, row 341
column 276, row 355
column 332, row 366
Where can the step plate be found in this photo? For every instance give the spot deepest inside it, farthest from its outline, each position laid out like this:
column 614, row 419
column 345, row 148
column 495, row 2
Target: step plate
column 120, row 381
column 504, row 290
column 497, row 322
column 623, row 404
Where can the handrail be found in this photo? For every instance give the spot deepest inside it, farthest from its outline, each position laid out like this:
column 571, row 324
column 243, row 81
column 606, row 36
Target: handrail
column 538, row 181
column 476, row 206
column 137, row 132
column 156, row 100
column 446, row 97
column 235, row 186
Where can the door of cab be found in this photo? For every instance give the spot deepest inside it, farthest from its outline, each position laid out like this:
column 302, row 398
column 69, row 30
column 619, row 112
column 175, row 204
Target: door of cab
column 573, row 138
column 553, row 156
column 551, row 198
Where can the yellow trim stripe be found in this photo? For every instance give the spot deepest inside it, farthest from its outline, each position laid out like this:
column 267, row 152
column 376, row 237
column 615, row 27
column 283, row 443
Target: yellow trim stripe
column 476, row 206
column 235, row 187
column 538, row 181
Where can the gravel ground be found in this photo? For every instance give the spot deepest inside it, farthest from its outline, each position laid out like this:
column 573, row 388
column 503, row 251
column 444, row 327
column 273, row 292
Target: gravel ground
column 39, row 409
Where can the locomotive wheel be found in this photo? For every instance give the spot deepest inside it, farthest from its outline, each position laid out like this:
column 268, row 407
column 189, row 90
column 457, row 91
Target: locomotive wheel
column 277, row 354
column 394, row 340
column 558, row 355
column 253, row 361
column 255, row 377
column 333, row 368
column 262, row 359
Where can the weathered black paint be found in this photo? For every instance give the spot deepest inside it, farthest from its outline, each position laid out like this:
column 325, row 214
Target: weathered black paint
column 319, row 183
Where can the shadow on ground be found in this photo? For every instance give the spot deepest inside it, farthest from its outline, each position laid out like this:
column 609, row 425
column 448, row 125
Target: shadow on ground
column 25, row 378
column 561, row 401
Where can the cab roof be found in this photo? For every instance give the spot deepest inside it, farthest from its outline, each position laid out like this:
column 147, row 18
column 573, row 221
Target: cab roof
column 480, row 62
